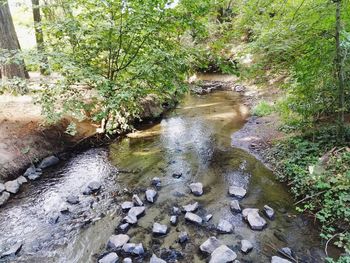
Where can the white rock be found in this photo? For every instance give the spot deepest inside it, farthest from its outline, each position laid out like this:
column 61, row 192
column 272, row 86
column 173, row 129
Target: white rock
column 246, row 246
column 159, row 229
column 135, row 249
column 190, row 207
column 196, row 188
column 193, row 218
column 4, row 196
column 237, row 191
column 127, row 260
column 256, row 222
column 224, row 226
column 2, row 188
column 12, row 186
column 208, row 217
column 109, row 258
column 150, row 195
column 22, row 180
column 210, row 245
column 269, row 212
column 127, row 205
column 276, row 259
column 117, row 241
column 173, row 220
column 155, row 259
column 235, row 207
column 137, row 201
column 222, row 254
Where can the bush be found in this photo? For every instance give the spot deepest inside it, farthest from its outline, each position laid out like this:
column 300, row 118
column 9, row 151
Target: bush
column 262, row 109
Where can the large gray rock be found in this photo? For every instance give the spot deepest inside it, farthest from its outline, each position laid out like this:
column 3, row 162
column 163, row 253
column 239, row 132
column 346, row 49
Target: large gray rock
column 237, row 191
column 137, row 200
column 196, row 188
column 150, row 195
column 12, row 186
column 48, row 161
column 117, row 241
column 127, row 205
column 12, row 251
column 22, row 180
column 92, row 187
column 183, row 237
column 246, row 246
column 109, row 258
column 159, row 229
column 193, row 218
column 269, row 212
column 224, row 226
column 191, row 207
column 2, row 188
column 276, row 259
column 210, row 245
column 4, row 196
column 135, row 249
column 155, row 259
column 256, row 222
column 222, row 254
column 235, row 207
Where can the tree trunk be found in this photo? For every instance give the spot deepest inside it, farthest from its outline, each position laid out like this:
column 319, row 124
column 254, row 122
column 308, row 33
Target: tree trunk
column 340, row 75
column 39, row 36
column 9, row 41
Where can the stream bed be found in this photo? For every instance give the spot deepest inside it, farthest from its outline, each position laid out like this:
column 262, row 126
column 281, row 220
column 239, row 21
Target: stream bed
column 193, row 143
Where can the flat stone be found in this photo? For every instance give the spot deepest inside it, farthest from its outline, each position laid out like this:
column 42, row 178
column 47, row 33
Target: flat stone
column 173, row 220
column 127, row 205
column 190, row 207
column 159, row 229
column 237, row 191
column 156, row 181
column 256, row 222
column 117, row 241
column 183, row 237
column 208, row 217
column 286, row 251
column 130, row 219
column 12, row 251
column 269, row 212
column 137, row 201
column 155, row 259
column 134, row 249
column 210, row 245
column 246, row 246
column 2, row 188
column 127, row 260
column 48, row 161
column 4, row 196
column 224, row 226
column 92, row 187
column 196, row 188
column 12, row 186
column 22, row 180
column 150, row 195
column 72, row 199
column 30, row 170
column 109, row 258
column 193, row 218
column 124, row 227
column 136, row 211
column 276, row 259
column 175, row 211
column 235, row 207
column 222, row 254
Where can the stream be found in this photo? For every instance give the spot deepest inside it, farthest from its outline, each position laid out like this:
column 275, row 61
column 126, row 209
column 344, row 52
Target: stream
column 192, row 143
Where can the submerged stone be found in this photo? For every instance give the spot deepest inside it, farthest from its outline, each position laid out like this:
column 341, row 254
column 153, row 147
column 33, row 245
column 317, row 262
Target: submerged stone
column 92, row 187
column 175, row 211
column 224, row 226
column 109, row 258
column 72, row 199
column 208, row 217
column 246, row 246
column 196, row 188
column 117, row 241
column 210, row 245
column 193, row 218
column 132, row 248
column 156, row 181
column 237, row 191
column 222, row 254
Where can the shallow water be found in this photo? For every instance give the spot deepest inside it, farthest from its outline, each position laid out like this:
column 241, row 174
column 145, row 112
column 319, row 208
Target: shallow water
column 193, row 140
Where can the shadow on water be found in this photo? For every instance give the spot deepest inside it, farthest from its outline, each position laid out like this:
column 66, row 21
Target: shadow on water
column 193, row 142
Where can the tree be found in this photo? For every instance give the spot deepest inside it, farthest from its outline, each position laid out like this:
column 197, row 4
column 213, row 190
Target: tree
column 39, row 36
column 9, row 45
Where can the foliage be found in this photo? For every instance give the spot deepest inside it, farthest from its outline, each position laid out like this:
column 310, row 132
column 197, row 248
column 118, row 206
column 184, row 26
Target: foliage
column 263, row 108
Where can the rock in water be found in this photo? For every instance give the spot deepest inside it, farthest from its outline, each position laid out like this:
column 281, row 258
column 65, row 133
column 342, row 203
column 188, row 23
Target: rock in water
column 135, row 249
column 235, row 207
column 2, row 188
column 117, row 241
column 224, row 226
column 183, row 237
column 12, row 251
column 48, row 161
column 246, row 246
column 269, row 212
column 130, row 219
column 175, row 211
column 124, row 227
column 159, row 229
column 173, row 220
column 193, row 218
column 127, row 205
column 222, row 254
column 286, row 251
column 137, row 200
column 208, row 217
column 92, row 187
column 127, row 260
column 190, row 207
column 150, row 195
column 276, row 259
column 210, row 245
column 155, row 259
column 12, row 186
column 21, row 180
column 4, row 196
column 256, row 222
column 72, row 199
column 156, row 181
column 137, row 211
column 237, row 191
column 196, row 188
column 109, row 258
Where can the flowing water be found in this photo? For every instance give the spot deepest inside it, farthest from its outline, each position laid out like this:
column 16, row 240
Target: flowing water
column 193, row 141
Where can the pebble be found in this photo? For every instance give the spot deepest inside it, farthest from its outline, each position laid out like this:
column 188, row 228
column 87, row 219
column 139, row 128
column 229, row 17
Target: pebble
column 208, row 217
column 134, row 249
column 269, row 212
column 127, row 205
column 12, row 186
column 173, row 220
column 235, row 207
column 256, row 222
column 210, row 245
column 117, row 241
column 159, row 229
column 137, row 201
column 150, row 195
column 193, row 218
column 136, row 211
column 130, row 219
column 109, row 258
column 124, row 227
column 246, row 246
column 183, row 237
column 237, row 191
column 276, row 259
column 156, row 181
column 48, row 161
column 4, row 196
column 196, row 188
column 190, row 207
column 155, row 259
column 222, row 254
column 224, row 226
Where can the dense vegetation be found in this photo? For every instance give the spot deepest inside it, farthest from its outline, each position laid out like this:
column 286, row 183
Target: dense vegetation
column 110, row 54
